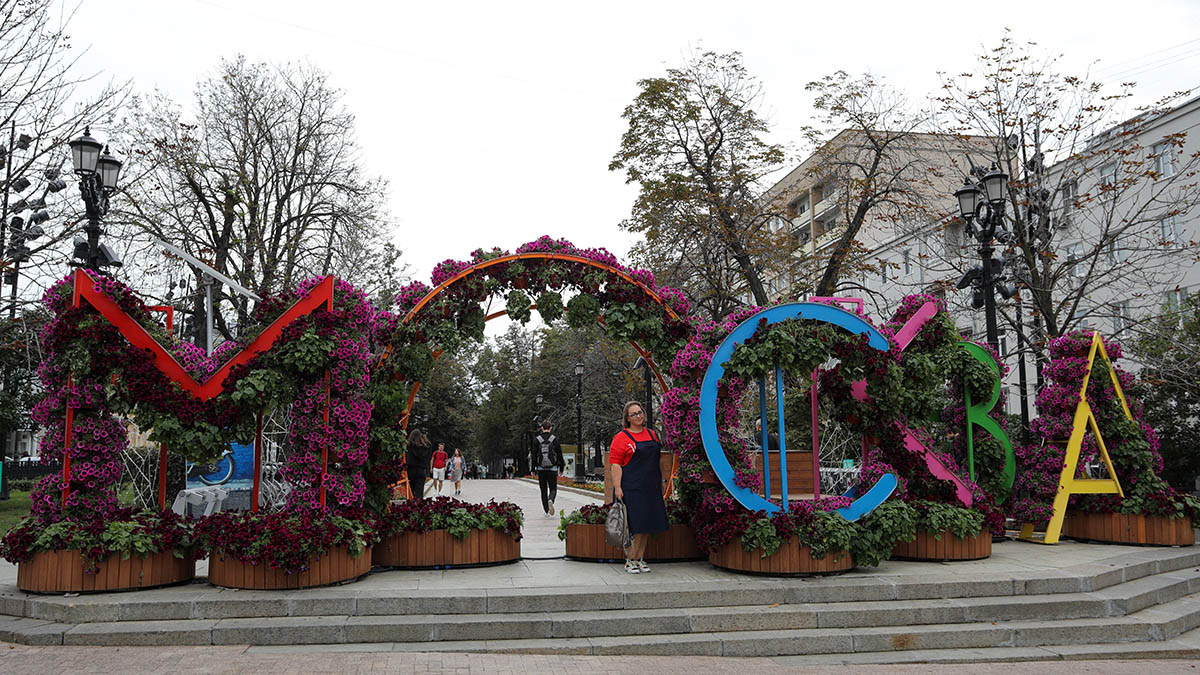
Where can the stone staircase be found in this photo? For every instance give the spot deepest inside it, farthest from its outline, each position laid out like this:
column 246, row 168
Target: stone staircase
column 1144, row 604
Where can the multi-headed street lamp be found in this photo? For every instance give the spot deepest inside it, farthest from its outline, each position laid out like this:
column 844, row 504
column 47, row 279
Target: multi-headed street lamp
column 98, row 172
column 981, row 205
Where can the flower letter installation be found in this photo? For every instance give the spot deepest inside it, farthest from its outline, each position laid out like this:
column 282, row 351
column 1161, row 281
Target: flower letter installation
column 1084, row 419
column 978, row 414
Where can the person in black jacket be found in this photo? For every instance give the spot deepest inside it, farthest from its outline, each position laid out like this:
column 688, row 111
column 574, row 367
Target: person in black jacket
column 416, row 459
column 548, row 461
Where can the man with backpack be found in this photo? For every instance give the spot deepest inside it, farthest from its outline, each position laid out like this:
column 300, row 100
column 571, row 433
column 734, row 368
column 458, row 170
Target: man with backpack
column 548, row 461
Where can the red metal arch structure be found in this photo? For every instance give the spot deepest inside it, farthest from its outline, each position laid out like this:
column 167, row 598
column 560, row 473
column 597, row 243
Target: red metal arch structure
column 564, row 257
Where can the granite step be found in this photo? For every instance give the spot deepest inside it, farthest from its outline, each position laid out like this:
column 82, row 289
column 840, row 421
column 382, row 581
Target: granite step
column 1151, row 569
column 739, row 630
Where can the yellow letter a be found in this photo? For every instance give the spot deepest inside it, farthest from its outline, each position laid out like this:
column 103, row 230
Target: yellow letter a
column 1068, row 484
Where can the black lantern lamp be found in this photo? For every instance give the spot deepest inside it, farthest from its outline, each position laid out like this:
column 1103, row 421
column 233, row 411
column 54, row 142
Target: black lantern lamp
column 994, row 182
column 968, row 200
column 85, row 153
column 109, row 168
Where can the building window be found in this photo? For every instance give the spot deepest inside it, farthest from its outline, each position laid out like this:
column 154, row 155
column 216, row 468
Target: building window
column 1068, row 192
column 1164, row 159
column 883, row 275
column 1169, row 228
column 907, row 261
column 1075, row 260
column 1108, row 179
column 1122, row 316
column 1173, row 299
column 1115, row 252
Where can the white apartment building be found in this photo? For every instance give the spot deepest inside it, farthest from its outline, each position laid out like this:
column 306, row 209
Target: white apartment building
column 1120, row 242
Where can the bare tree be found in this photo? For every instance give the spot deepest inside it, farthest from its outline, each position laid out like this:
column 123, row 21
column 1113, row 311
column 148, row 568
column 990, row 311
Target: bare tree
column 44, row 102
column 1091, row 186
column 874, row 162
column 264, row 184
column 695, row 147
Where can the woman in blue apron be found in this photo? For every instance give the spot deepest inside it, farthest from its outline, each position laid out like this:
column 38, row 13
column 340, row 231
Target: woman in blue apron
column 638, row 482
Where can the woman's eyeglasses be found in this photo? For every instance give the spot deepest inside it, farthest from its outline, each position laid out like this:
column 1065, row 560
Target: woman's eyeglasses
column 640, row 413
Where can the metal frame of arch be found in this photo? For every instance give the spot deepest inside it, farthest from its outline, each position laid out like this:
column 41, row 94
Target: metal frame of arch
column 538, row 255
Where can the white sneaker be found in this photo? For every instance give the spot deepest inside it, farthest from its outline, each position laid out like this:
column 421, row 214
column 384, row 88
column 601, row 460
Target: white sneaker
column 642, row 566
column 551, row 507
column 632, row 567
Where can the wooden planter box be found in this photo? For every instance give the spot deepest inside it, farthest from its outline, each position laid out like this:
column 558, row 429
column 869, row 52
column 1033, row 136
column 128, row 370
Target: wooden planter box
column 949, row 547
column 1121, row 528
column 337, row 565
column 586, row 542
column 62, row 572
column 439, row 548
column 791, row 558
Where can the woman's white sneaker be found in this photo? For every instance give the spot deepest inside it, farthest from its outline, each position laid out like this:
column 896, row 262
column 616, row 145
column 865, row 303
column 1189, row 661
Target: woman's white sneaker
column 642, row 566
column 632, row 567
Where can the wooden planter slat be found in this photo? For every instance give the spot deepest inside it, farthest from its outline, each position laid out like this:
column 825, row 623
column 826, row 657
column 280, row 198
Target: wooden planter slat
column 337, row 565
column 439, row 548
column 586, row 542
column 791, row 558
column 62, row 572
column 949, row 547
column 1121, row 528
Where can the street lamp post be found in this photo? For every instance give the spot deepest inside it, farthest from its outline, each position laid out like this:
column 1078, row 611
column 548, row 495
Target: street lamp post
column 981, row 205
column 98, row 172
column 580, row 462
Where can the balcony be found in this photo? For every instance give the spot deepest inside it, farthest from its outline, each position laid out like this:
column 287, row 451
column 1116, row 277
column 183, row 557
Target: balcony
column 826, row 205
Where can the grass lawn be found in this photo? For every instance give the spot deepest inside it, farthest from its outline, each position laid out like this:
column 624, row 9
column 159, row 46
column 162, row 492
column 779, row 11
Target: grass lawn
column 13, row 510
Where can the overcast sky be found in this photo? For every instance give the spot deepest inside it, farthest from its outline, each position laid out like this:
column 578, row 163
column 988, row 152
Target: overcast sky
column 495, row 121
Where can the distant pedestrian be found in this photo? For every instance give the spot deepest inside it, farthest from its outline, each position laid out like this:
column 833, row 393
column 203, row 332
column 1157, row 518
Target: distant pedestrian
column 547, row 459
column 437, row 466
column 456, row 471
column 416, row 460
column 638, row 482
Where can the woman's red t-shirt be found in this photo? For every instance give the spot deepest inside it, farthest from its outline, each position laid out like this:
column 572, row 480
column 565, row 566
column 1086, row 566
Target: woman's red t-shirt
column 620, row 451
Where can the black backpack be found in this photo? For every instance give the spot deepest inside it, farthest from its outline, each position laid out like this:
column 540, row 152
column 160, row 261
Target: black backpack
column 546, row 448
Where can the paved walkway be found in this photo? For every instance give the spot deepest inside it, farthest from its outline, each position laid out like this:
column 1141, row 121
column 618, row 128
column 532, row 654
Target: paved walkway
column 540, row 534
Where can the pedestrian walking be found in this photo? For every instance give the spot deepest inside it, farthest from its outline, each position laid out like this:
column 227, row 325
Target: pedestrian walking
column 416, row 461
column 638, row 482
column 437, row 466
column 548, row 461
column 457, row 465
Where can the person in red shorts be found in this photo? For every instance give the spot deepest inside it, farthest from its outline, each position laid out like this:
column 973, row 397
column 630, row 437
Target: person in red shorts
column 638, row 482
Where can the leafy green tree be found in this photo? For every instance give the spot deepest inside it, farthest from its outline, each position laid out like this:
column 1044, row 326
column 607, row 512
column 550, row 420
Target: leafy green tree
column 695, row 146
column 1169, row 350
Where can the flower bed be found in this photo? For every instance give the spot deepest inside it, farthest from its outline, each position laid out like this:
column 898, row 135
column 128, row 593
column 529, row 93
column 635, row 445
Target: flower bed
column 943, row 532
column 585, row 541
column 138, row 548
column 271, row 548
column 1131, row 444
column 334, row 566
column 583, row 531
column 444, row 532
column 943, row 546
column 63, row 572
column 789, row 558
column 1124, row 528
